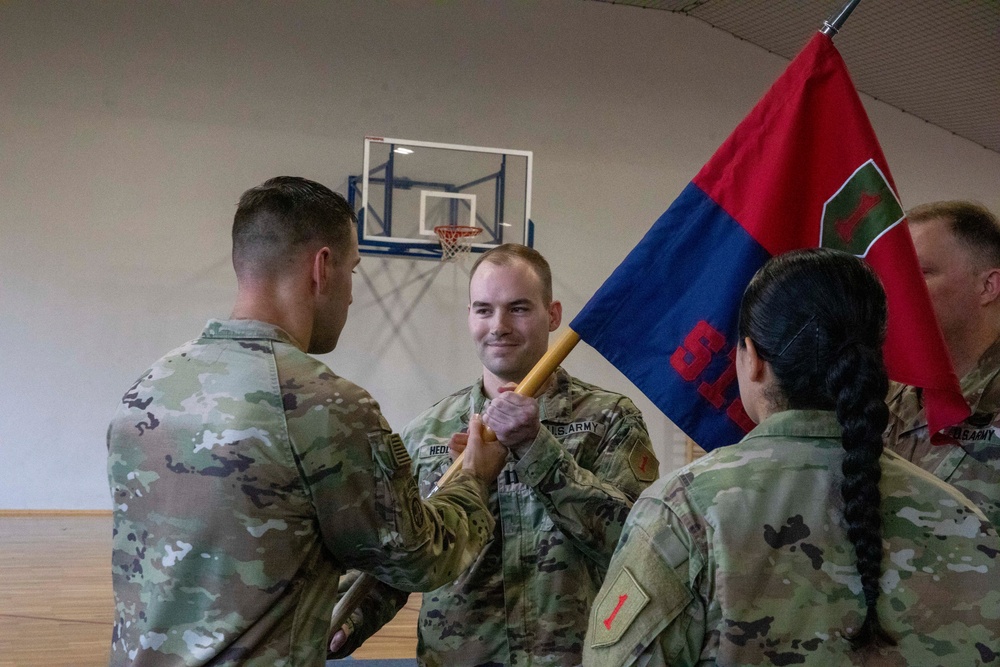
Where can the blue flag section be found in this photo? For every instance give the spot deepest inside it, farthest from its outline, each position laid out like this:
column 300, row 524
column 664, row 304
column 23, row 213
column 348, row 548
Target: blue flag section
column 666, row 317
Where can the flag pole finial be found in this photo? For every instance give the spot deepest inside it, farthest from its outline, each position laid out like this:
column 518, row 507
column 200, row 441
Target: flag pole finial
column 832, row 25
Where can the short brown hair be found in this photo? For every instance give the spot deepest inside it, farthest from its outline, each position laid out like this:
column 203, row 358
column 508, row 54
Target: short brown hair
column 973, row 224
column 504, row 255
column 284, row 213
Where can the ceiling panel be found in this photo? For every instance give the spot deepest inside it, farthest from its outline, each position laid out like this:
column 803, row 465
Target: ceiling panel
column 936, row 59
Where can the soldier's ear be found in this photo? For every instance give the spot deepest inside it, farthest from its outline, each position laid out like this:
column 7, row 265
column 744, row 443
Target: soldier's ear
column 321, row 269
column 990, row 287
column 555, row 315
column 755, row 364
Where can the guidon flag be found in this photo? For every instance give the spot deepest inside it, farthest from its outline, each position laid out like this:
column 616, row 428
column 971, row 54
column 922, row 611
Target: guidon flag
column 803, row 169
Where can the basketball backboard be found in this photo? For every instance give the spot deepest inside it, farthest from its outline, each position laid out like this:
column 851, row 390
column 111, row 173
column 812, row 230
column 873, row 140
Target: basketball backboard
column 407, row 188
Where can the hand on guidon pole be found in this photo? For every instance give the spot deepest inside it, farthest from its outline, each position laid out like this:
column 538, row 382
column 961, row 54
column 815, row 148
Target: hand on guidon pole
column 514, row 418
column 456, row 445
column 481, row 458
column 531, row 384
column 339, row 637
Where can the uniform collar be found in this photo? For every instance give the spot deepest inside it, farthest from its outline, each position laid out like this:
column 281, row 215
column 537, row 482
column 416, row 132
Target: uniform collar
column 976, row 382
column 245, row 329
column 798, row 424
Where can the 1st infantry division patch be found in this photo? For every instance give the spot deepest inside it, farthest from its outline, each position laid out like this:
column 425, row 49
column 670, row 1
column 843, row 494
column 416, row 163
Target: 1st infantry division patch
column 617, row 608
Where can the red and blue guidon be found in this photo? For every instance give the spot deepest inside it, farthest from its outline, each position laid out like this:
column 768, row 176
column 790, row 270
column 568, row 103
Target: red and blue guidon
column 803, row 169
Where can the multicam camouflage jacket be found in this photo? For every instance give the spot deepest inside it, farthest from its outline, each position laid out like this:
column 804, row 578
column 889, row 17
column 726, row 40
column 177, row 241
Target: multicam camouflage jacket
column 560, row 510
column 246, row 477
column 972, row 464
column 742, row 558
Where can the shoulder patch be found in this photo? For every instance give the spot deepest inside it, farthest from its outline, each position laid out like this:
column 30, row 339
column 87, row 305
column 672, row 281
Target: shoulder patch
column 629, row 616
column 399, row 454
column 643, row 462
column 389, row 451
column 615, row 610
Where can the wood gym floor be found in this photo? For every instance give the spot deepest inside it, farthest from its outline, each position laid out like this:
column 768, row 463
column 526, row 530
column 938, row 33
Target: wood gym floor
column 56, row 605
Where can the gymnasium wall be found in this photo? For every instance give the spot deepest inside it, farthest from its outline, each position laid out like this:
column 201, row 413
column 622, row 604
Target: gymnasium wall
column 129, row 129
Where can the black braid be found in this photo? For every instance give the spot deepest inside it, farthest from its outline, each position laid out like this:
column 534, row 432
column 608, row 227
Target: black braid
column 857, row 380
column 818, row 317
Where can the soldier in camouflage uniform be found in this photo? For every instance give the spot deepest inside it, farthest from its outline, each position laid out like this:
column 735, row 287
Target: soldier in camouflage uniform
column 246, row 476
column 958, row 245
column 579, row 458
column 804, row 544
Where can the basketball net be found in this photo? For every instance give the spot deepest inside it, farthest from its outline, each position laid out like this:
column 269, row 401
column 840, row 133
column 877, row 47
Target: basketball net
column 456, row 240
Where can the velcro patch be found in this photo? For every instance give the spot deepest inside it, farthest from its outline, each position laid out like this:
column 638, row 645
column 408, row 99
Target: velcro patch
column 615, row 610
column 643, row 462
column 968, row 434
column 400, row 457
column 434, row 451
column 389, row 451
column 560, row 431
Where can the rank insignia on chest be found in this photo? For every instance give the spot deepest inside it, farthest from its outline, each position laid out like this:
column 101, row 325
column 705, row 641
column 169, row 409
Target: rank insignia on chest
column 615, row 610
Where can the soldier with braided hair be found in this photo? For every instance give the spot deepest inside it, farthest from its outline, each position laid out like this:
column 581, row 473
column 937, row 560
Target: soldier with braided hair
column 804, row 543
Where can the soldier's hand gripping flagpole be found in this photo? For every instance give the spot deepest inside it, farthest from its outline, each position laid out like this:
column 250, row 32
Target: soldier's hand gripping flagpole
column 530, row 385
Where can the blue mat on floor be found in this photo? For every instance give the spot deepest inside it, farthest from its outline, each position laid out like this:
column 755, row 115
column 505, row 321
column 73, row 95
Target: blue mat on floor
column 351, row 662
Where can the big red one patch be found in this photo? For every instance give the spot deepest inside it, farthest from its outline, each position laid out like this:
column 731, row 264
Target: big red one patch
column 864, row 208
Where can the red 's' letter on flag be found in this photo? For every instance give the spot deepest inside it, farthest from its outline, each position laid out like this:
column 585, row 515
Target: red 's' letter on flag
column 804, row 168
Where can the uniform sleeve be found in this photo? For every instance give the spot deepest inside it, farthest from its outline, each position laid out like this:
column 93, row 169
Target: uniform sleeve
column 590, row 506
column 357, row 473
column 433, row 428
column 648, row 611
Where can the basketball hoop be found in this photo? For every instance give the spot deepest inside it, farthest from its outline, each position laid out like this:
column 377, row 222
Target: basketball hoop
column 456, row 240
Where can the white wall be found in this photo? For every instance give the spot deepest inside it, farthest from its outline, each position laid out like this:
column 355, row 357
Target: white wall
column 128, row 130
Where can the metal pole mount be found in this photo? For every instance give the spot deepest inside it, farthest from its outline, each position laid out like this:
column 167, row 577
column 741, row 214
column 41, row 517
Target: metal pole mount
column 832, row 25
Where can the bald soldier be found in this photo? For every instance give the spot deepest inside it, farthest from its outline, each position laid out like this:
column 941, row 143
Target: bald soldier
column 578, row 458
column 958, row 245
column 246, row 476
